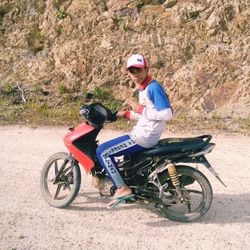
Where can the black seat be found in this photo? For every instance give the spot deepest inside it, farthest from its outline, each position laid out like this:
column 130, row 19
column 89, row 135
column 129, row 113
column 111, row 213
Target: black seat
column 178, row 145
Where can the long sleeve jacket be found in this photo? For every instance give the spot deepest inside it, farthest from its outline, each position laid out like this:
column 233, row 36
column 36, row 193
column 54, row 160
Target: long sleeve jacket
column 154, row 110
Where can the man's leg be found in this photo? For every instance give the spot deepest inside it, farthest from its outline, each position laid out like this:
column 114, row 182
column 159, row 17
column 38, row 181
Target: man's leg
column 123, row 145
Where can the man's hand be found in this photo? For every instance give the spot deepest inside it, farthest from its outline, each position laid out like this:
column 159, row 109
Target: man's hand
column 134, row 105
column 121, row 113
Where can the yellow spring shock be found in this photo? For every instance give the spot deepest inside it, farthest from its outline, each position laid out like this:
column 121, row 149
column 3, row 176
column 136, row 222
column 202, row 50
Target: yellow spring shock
column 174, row 177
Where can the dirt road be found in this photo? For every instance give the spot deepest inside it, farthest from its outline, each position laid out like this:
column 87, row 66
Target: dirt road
column 27, row 222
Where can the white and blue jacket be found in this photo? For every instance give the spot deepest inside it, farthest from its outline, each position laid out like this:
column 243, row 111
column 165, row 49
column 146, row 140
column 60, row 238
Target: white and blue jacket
column 155, row 109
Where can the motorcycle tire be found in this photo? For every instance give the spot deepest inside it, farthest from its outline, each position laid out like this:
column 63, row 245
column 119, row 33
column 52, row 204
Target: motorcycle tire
column 194, row 185
column 61, row 191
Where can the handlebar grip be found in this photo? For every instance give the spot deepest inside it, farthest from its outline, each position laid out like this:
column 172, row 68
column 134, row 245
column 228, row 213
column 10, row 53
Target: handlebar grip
column 112, row 117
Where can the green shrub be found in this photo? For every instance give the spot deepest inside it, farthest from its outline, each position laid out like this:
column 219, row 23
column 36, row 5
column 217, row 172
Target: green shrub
column 8, row 89
column 106, row 98
column 62, row 89
column 60, row 30
column 61, row 14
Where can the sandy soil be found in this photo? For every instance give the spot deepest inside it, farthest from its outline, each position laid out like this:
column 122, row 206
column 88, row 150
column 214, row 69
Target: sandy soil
column 27, row 222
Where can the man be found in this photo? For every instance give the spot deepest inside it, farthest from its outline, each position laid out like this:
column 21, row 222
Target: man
column 152, row 110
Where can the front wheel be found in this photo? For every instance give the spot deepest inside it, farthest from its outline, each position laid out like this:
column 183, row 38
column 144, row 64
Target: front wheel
column 60, row 180
column 197, row 195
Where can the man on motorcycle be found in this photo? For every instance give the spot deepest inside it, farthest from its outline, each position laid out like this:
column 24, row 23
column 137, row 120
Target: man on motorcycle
column 152, row 110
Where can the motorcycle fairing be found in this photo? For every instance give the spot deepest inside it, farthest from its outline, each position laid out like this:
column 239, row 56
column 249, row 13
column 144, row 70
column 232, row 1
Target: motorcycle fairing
column 69, row 140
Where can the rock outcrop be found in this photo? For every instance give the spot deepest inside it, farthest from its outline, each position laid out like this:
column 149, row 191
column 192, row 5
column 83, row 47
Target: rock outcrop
column 199, row 50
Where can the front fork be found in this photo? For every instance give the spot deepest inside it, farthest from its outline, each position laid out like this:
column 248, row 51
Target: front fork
column 62, row 169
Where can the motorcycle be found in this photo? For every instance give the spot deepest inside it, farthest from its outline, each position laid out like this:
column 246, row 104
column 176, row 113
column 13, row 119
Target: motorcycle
column 161, row 175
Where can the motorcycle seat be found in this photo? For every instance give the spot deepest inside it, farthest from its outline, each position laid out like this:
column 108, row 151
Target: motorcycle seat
column 178, row 145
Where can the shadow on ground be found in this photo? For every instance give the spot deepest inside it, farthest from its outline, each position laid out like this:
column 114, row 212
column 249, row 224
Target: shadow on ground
column 225, row 208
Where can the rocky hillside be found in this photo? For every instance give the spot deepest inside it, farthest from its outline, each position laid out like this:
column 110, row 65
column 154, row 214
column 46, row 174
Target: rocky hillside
column 198, row 49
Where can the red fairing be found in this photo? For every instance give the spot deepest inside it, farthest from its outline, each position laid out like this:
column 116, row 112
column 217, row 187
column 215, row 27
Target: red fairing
column 73, row 135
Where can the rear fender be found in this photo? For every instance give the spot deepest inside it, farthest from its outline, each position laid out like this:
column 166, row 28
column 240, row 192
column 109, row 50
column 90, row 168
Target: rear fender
column 201, row 159
column 211, row 169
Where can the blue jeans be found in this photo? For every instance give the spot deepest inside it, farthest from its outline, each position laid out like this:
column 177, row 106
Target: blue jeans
column 106, row 152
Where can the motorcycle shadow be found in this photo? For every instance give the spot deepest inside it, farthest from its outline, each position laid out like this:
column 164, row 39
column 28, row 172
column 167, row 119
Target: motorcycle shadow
column 94, row 202
column 225, row 208
column 230, row 209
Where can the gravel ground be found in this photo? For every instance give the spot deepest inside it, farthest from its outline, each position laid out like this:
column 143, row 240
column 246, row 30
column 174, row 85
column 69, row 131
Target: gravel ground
column 27, row 222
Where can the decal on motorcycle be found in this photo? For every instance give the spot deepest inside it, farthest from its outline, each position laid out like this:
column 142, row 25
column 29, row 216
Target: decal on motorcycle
column 84, row 111
column 175, row 141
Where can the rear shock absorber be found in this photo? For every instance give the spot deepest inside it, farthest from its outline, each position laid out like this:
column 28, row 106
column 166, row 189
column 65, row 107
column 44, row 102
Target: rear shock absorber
column 174, row 177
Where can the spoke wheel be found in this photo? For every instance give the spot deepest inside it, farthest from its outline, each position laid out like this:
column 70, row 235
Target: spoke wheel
column 60, row 180
column 196, row 199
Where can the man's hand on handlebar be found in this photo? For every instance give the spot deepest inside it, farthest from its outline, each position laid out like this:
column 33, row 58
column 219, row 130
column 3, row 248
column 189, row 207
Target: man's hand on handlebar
column 121, row 113
column 133, row 104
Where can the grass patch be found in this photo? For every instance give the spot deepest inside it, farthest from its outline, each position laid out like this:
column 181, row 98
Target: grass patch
column 244, row 123
column 104, row 97
column 8, row 90
column 46, row 111
column 38, row 114
column 184, row 122
column 64, row 111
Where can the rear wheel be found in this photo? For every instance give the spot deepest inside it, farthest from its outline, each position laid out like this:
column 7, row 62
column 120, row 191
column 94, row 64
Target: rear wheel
column 197, row 195
column 60, row 180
